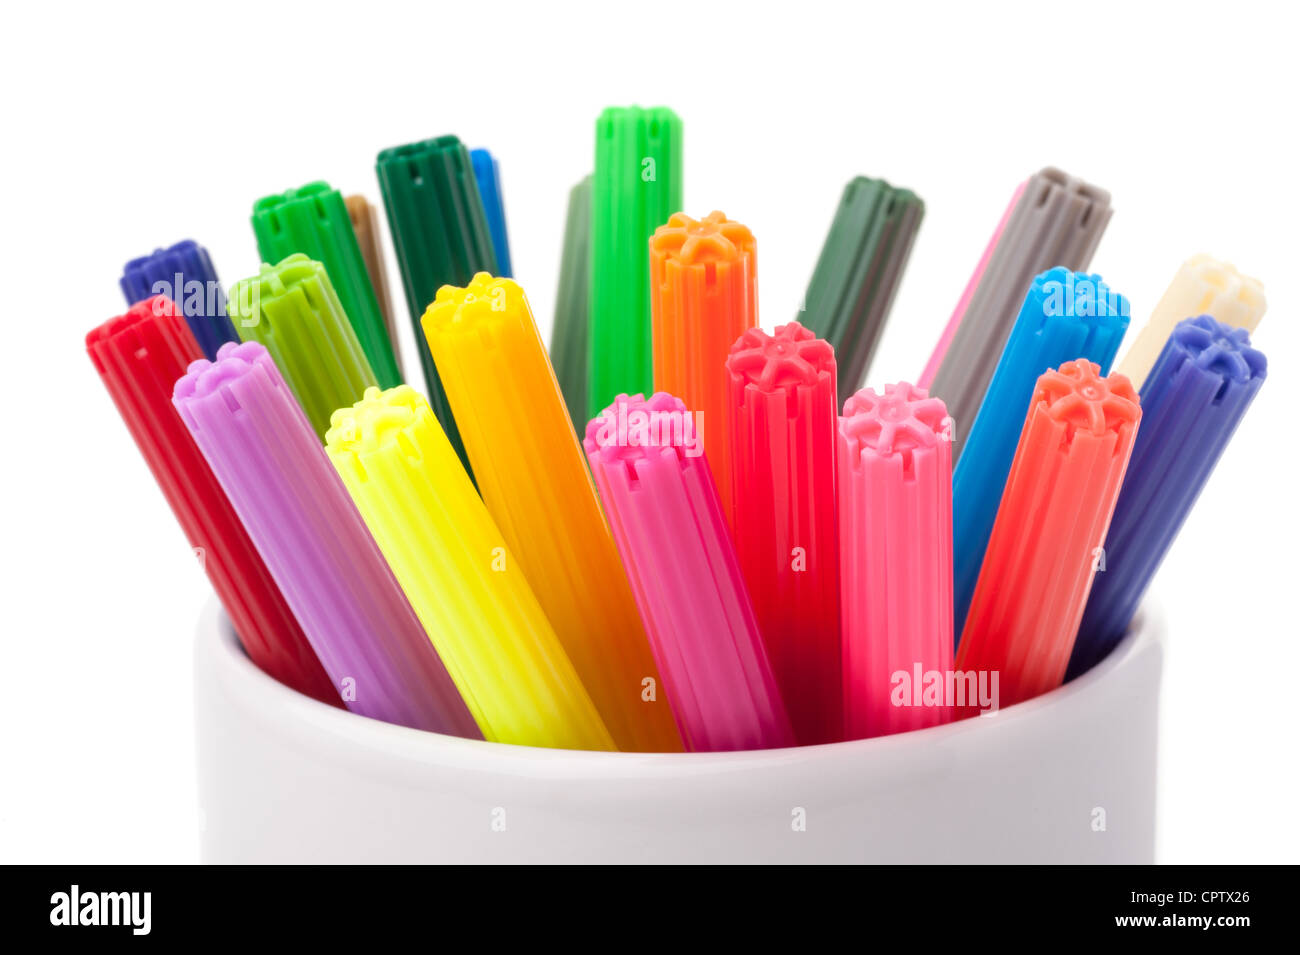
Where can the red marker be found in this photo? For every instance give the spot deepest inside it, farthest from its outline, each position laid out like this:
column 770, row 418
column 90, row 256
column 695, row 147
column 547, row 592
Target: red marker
column 1051, row 525
column 139, row 357
column 784, row 515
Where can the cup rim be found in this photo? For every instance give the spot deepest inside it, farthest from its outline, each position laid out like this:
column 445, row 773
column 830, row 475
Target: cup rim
column 221, row 663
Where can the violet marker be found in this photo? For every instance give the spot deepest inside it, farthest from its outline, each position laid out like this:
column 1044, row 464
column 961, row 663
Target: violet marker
column 295, row 508
column 1192, row 401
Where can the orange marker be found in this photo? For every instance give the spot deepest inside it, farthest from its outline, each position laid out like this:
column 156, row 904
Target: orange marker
column 1056, row 509
column 703, row 296
column 534, row 479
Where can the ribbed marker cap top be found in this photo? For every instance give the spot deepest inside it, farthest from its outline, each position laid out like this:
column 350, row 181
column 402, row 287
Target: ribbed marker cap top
column 274, row 281
column 378, row 420
column 125, row 334
column 702, row 242
column 1059, row 292
column 270, row 204
column 483, row 302
column 183, row 272
column 1084, row 402
column 234, row 361
column 1220, row 348
column 634, row 427
column 314, row 220
column 902, row 420
column 293, row 310
column 1239, row 297
column 186, row 257
column 790, row 357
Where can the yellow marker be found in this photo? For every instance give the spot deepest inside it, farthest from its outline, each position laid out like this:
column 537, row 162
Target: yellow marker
column 1202, row 286
column 453, row 564
column 534, row 479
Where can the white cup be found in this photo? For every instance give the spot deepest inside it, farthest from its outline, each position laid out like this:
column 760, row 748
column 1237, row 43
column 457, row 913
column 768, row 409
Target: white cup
column 1067, row 777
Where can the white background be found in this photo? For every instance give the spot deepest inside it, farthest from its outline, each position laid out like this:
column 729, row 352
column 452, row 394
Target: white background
column 131, row 126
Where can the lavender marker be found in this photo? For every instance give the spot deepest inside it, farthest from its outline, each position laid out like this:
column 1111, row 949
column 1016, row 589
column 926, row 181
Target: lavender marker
column 299, row 515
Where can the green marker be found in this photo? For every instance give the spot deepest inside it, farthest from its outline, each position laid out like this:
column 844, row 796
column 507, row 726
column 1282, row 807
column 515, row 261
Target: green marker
column 292, row 309
column 440, row 232
column 569, row 333
column 858, row 272
column 636, row 187
column 314, row 220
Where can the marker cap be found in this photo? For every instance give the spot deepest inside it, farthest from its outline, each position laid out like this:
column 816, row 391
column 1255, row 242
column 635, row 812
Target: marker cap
column 636, row 186
column 1055, row 511
column 704, row 295
column 1058, row 221
column 1205, row 378
column 858, row 273
column 139, row 356
column 663, row 507
column 183, row 273
column 569, row 332
column 292, row 311
column 314, row 221
column 534, row 480
column 440, row 234
column 297, row 512
column 1203, row 285
column 785, row 522
column 460, row 577
column 1064, row 315
column 487, row 174
column 895, row 483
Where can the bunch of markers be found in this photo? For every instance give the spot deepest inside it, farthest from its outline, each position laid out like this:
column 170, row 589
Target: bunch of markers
column 676, row 530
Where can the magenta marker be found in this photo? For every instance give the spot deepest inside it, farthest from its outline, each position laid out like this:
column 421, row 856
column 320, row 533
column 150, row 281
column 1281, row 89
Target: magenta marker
column 649, row 465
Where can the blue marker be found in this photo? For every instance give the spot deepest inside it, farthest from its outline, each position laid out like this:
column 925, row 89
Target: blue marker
column 184, row 273
column 487, row 173
column 1192, row 401
column 1065, row 315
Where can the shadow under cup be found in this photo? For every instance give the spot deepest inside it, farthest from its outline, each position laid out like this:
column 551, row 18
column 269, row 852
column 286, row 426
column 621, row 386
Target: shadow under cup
column 1067, row 777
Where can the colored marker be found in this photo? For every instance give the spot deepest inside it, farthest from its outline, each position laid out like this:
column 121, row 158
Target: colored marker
column 487, row 174
column 291, row 310
column 703, row 296
column 954, row 320
column 1057, row 505
column 1058, row 221
column 455, row 569
column 636, row 187
column 664, row 510
column 365, row 225
column 314, row 221
column 1193, row 399
column 139, row 356
column 1065, row 315
column 534, row 480
column 441, row 236
column 569, row 331
column 859, row 271
column 895, row 485
column 1203, row 285
column 262, row 449
column 785, row 522
column 183, row 273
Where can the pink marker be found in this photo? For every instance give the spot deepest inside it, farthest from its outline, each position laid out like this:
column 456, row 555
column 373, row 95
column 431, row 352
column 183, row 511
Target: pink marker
column 949, row 330
column 895, row 479
column 648, row 462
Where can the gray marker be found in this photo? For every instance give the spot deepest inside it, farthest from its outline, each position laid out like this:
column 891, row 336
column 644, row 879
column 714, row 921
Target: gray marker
column 1058, row 221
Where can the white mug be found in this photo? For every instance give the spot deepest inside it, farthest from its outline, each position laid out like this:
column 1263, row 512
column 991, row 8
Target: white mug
column 1067, row 777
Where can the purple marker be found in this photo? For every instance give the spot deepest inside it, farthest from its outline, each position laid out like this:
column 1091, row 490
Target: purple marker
column 299, row 515
column 1192, row 401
